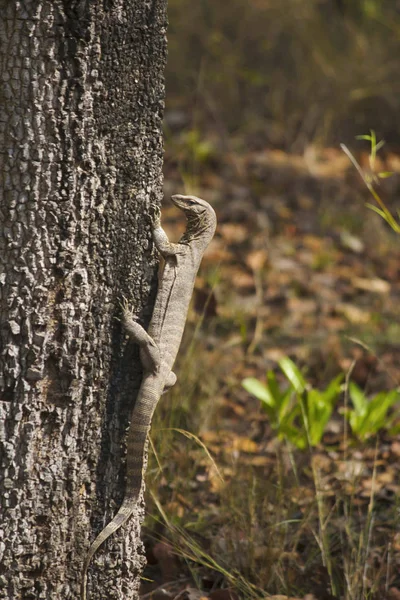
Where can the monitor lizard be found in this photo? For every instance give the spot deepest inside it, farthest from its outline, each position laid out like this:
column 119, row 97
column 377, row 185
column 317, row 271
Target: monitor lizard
column 159, row 345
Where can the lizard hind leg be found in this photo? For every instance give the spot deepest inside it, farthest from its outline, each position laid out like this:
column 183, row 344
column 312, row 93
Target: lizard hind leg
column 149, row 351
column 171, row 380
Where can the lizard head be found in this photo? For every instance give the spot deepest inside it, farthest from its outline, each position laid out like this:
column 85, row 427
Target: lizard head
column 201, row 219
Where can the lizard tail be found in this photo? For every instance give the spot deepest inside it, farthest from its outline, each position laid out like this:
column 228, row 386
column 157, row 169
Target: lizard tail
column 120, row 518
column 136, row 442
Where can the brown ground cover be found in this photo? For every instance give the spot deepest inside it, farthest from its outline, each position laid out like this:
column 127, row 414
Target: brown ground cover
column 299, row 267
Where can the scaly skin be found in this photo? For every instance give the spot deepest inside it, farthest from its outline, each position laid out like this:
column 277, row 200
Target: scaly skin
column 159, row 346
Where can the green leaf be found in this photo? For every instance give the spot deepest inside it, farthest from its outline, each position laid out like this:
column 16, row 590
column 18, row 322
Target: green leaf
column 364, row 137
column 288, row 412
column 262, row 393
column 395, row 430
column 385, row 174
column 379, row 406
column 293, row 374
column 387, row 216
column 319, row 408
column 377, row 210
column 373, row 147
column 331, row 393
column 259, row 390
column 356, row 423
column 273, row 385
column 294, row 435
column 317, row 416
column 372, row 416
column 358, row 398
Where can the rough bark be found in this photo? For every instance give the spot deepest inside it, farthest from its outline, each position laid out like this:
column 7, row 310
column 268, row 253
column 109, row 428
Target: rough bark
column 81, row 154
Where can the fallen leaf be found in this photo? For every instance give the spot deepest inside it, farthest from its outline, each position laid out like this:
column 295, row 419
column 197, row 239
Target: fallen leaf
column 353, row 313
column 325, row 163
column 233, row 232
column 393, row 162
column 302, row 306
column 351, row 242
column 380, row 286
column 257, row 461
column 256, row 259
column 313, row 242
column 239, row 278
column 322, row 462
column 349, row 469
column 387, row 476
column 245, row 445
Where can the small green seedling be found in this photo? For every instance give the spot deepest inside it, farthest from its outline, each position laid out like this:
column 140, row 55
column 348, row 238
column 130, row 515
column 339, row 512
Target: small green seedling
column 369, row 416
column 298, row 413
column 276, row 402
column 371, row 178
column 316, row 406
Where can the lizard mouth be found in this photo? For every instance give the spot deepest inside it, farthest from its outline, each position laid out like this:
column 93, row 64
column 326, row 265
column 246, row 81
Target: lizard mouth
column 179, row 201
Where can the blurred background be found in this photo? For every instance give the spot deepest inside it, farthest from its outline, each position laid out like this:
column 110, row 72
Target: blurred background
column 285, row 73
column 276, row 457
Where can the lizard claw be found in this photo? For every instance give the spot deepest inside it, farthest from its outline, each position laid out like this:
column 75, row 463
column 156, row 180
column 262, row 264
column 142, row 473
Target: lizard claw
column 123, row 304
column 157, row 217
column 126, row 311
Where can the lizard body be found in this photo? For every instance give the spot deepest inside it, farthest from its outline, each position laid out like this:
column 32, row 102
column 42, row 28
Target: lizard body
column 160, row 345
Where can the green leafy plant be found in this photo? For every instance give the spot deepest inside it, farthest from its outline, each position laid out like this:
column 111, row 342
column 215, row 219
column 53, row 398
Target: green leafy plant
column 372, row 178
column 277, row 403
column 316, row 406
column 370, row 415
column 299, row 413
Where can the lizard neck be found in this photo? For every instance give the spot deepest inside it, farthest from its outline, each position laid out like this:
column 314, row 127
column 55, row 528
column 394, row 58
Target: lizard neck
column 200, row 229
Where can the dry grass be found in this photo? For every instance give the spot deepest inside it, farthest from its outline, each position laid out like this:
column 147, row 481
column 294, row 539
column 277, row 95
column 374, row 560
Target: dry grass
column 277, row 521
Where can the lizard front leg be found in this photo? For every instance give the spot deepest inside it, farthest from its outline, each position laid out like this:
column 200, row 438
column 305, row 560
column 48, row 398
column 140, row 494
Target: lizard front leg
column 161, row 241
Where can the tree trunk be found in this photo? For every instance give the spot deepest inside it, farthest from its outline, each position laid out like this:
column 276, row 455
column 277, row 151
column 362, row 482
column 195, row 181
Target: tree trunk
column 81, row 150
